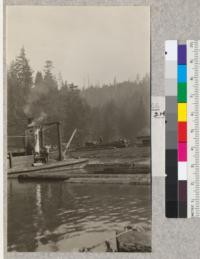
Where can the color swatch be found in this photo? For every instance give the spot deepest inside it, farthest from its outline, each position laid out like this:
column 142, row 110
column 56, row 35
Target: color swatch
column 182, row 130
column 182, row 81
column 171, row 143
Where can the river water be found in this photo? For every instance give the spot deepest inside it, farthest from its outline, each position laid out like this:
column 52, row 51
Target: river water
column 58, row 216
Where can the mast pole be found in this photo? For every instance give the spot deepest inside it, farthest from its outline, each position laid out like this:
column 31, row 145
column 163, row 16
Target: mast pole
column 59, row 142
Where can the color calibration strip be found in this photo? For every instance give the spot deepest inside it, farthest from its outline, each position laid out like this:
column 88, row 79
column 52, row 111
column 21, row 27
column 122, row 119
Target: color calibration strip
column 182, row 85
column 182, row 131
column 171, row 187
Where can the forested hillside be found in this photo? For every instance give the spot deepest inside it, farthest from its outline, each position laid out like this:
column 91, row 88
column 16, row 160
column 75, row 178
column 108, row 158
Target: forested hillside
column 118, row 110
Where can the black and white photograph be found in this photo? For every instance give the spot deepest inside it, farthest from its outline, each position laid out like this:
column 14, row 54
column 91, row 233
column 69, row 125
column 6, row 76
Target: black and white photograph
column 78, row 136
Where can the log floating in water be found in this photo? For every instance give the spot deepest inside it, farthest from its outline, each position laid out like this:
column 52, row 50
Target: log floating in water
column 44, row 177
column 84, row 177
column 110, row 180
column 119, row 167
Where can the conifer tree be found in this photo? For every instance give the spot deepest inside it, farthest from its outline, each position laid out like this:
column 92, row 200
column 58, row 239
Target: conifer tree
column 19, row 83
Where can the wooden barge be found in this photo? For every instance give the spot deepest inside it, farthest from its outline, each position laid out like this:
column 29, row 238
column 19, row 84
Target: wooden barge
column 52, row 166
column 41, row 160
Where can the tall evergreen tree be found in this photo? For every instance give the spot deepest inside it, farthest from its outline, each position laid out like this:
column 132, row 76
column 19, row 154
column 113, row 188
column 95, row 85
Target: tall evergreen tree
column 19, row 83
column 49, row 101
column 23, row 72
column 38, row 79
column 49, row 78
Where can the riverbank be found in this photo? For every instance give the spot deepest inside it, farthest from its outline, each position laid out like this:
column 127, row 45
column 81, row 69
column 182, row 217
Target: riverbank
column 130, row 165
column 128, row 154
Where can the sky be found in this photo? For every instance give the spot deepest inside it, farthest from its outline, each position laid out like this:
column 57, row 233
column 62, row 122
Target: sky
column 87, row 45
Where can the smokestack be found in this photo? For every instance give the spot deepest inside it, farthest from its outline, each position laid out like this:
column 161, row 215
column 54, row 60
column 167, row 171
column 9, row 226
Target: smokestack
column 30, row 121
column 37, row 140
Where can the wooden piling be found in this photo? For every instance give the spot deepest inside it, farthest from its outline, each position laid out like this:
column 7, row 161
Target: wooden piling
column 42, row 137
column 10, row 160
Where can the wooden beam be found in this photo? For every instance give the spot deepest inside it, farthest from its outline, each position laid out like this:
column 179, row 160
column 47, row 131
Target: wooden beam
column 59, row 142
column 42, row 137
column 10, row 160
column 44, row 124
column 69, row 142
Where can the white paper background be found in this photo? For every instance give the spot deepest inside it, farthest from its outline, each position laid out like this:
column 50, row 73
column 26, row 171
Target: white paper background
column 172, row 238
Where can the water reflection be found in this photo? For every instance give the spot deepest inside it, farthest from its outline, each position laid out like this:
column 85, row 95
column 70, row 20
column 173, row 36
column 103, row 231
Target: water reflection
column 52, row 216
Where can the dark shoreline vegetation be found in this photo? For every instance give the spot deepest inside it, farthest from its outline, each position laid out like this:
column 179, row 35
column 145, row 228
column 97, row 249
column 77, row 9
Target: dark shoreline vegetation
column 110, row 112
